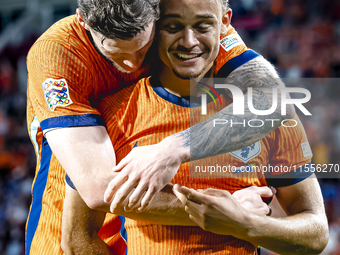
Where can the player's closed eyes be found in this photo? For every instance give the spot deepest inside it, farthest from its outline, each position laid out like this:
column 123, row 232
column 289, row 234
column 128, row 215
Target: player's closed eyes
column 201, row 27
column 173, row 27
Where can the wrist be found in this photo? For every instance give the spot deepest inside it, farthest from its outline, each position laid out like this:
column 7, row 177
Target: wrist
column 243, row 226
column 176, row 145
column 253, row 227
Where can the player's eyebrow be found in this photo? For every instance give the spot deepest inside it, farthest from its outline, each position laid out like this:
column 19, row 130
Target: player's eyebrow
column 199, row 16
column 205, row 16
column 167, row 16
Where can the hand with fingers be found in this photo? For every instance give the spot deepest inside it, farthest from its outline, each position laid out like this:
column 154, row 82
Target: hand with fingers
column 255, row 199
column 142, row 174
column 220, row 212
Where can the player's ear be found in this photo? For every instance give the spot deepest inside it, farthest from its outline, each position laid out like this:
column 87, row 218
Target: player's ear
column 81, row 20
column 226, row 21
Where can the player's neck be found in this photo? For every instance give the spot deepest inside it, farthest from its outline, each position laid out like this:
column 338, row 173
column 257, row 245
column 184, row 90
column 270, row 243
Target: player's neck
column 178, row 86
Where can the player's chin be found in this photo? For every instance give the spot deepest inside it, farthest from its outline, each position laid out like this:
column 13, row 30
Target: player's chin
column 188, row 73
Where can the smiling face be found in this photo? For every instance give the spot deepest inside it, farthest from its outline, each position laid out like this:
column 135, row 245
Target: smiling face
column 188, row 36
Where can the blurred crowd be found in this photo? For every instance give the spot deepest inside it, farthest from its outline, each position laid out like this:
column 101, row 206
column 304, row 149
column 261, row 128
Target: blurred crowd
column 300, row 37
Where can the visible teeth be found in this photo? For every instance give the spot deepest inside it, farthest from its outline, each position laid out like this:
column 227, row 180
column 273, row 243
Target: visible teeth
column 187, row 56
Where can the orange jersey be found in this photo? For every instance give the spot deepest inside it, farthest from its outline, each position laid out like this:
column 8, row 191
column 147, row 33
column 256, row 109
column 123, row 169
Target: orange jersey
column 67, row 78
column 233, row 53
column 145, row 114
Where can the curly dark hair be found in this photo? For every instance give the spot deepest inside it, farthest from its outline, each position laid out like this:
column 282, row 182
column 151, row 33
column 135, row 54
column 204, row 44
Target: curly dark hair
column 119, row 19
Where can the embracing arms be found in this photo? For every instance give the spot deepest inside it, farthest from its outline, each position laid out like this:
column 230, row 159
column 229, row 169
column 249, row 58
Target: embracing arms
column 91, row 174
column 157, row 164
column 89, row 161
column 87, row 155
column 81, row 224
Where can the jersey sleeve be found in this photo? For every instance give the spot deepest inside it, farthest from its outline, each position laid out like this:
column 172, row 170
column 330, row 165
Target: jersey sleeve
column 110, row 108
column 232, row 54
column 291, row 155
column 59, row 86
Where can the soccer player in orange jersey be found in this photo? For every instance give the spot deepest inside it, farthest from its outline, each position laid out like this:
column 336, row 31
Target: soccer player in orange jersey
column 71, row 67
column 156, row 108
column 74, row 64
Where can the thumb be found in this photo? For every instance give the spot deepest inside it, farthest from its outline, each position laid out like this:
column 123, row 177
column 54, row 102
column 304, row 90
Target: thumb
column 266, row 191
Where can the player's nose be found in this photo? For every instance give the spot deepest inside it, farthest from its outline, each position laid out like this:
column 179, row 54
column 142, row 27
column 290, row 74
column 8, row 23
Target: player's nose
column 188, row 38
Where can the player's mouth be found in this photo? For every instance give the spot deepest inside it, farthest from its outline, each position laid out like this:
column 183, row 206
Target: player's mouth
column 187, row 57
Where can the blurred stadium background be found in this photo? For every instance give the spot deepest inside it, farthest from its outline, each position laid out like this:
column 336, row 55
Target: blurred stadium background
column 300, row 37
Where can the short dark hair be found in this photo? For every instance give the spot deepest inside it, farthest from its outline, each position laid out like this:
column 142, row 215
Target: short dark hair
column 119, row 19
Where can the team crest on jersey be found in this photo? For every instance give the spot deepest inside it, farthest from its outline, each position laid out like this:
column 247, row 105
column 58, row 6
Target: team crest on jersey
column 56, row 93
column 231, row 41
column 248, row 152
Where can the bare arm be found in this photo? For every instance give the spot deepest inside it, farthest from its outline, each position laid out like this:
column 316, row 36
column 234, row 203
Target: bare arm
column 161, row 161
column 206, row 141
column 167, row 209
column 77, row 220
column 87, row 155
column 88, row 160
column 81, row 224
column 303, row 231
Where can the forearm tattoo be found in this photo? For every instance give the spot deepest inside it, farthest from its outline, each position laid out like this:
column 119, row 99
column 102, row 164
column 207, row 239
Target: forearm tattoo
column 205, row 140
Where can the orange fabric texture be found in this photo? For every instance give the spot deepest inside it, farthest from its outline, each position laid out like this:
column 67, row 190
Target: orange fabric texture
column 223, row 55
column 64, row 52
column 138, row 115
